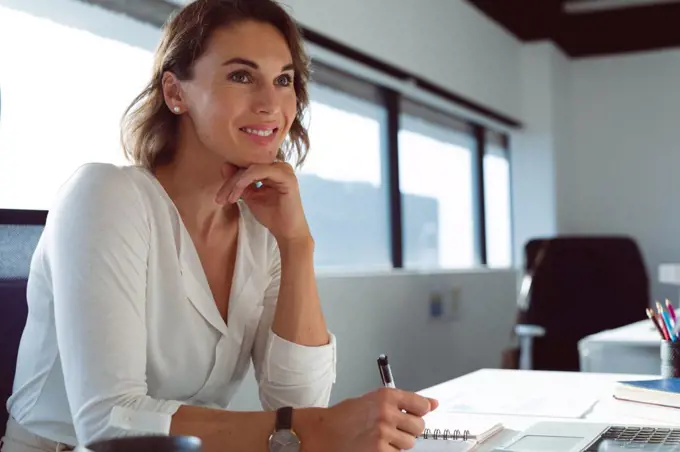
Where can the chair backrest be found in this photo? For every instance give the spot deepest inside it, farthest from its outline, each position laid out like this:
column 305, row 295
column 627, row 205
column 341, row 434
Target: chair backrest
column 582, row 285
column 19, row 234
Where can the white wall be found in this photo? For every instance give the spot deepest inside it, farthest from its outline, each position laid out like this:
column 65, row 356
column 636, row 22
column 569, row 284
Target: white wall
column 620, row 174
column 448, row 42
column 598, row 155
column 562, row 125
column 373, row 314
column 536, row 148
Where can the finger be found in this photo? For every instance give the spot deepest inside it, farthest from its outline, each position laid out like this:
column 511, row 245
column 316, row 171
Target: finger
column 268, row 174
column 228, row 185
column 413, row 403
column 434, row 403
column 386, row 447
column 402, row 440
column 408, row 423
column 251, row 193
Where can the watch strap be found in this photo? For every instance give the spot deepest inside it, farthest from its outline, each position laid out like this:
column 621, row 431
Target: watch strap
column 284, row 418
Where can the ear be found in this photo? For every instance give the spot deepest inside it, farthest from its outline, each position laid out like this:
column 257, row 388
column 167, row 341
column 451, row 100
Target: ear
column 172, row 92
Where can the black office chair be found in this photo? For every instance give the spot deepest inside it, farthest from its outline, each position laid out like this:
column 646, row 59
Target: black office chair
column 19, row 234
column 577, row 286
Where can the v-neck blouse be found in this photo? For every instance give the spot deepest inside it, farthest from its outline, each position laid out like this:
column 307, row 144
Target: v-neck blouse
column 122, row 326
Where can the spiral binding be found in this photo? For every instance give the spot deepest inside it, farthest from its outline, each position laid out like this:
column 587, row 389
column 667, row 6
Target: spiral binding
column 454, row 435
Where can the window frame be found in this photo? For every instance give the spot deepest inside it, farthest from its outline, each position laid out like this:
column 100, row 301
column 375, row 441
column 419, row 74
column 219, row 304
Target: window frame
column 501, row 141
column 331, row 78
column 397, row 104
column 444, row 127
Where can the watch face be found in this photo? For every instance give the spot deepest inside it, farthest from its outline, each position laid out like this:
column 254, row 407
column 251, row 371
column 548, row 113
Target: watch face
column 284, row 441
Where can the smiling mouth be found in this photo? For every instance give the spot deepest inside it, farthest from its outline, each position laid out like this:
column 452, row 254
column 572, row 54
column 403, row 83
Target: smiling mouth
column 260, row 132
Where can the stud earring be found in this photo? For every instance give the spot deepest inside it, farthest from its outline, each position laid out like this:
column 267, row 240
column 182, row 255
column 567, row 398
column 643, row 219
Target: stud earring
column 175, row 109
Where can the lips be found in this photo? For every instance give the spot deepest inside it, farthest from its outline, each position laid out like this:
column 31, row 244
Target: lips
column 260, row 131
column 261, row 134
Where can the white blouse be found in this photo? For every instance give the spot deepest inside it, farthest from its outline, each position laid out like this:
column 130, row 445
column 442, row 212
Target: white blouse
column 122, row 327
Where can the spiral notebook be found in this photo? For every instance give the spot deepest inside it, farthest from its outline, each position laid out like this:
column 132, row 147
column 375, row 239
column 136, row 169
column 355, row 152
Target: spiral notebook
column 447, row 432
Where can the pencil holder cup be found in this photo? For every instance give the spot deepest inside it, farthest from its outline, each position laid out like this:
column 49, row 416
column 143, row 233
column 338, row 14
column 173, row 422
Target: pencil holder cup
column 670, row 359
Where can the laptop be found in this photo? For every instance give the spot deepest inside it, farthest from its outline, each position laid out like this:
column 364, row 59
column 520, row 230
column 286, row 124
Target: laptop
column 593, row 437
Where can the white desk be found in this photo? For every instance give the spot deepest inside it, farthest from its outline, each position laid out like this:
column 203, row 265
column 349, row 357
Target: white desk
column 591, row 386
column 632, row 348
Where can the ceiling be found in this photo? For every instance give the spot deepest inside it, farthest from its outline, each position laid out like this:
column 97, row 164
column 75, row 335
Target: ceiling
column 590, row 27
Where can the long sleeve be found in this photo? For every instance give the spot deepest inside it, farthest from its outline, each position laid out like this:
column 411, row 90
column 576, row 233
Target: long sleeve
column 97, row 246
column 289, row 374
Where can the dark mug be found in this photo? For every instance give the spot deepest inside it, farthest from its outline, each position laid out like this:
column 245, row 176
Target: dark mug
column 145, row 444
column 670, row 359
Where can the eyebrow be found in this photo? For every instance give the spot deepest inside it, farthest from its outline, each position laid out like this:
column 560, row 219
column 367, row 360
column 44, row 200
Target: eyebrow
column 252, row 64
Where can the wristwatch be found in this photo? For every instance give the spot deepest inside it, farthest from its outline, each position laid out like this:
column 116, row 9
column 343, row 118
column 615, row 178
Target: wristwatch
column 284, row 438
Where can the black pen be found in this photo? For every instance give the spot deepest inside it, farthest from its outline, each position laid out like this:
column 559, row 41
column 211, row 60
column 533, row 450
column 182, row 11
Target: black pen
column 385, row 372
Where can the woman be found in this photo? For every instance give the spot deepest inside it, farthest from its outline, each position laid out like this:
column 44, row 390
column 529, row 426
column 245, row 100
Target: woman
column 154, row 285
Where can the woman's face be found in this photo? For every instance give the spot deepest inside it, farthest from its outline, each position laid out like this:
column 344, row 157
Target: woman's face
column 241, row 101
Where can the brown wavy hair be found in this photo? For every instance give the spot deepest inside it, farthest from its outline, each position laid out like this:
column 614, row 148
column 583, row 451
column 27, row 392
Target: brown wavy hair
column 148, row 127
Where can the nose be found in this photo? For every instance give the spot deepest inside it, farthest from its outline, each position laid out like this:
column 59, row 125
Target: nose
column 266, row 100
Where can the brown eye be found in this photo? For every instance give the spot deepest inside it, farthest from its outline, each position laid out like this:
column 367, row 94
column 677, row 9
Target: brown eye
column 284, row 80
column 240, row 77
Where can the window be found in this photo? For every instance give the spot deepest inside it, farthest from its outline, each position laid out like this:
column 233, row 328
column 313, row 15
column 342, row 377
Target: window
column 497, row 205
column 342, row 181
column 436, row 183
column 64, row 89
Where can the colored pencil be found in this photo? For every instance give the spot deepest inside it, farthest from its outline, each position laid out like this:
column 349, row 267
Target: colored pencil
column 652, row 317
column 659, row 317
column 671, row 311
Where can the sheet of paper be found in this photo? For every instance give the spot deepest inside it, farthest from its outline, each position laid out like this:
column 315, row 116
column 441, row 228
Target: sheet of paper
column 520, row 394
column 442, row 446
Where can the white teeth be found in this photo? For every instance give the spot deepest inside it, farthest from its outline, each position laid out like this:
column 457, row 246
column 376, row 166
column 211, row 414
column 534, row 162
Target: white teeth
column 262, row 133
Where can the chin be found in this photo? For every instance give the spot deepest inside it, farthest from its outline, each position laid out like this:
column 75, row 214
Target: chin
column 244, row 161
column 259, row 156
